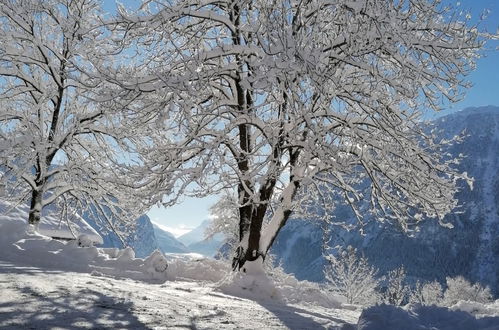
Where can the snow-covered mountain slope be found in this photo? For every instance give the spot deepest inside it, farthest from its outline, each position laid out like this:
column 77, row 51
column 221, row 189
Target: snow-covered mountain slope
column 470, row 249
column 167, row 242
column 195, row 235
column 141, row 237
column 206, row 247
column 196, row 242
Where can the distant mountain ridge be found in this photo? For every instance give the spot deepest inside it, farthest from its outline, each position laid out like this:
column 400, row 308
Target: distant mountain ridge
column 196, row 242
column 195, row 235
column 147, row 237
column 142, row 239
column 470, row 249
column 167, row 242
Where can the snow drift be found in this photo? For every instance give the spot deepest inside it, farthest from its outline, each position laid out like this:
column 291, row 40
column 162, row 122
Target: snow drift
column 418, row 317
column 21, row 243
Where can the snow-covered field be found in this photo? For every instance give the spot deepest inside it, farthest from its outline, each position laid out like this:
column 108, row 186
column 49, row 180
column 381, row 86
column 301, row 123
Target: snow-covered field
column 39, row 298
column 47, row 284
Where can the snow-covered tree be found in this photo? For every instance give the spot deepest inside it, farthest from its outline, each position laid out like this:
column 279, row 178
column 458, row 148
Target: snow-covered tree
column 429, row 293
column 61, row 138
column 225, row 221
column 279, row 99
column 396, row 291
column 224, row 215
column 458, row 288
column 352, row 277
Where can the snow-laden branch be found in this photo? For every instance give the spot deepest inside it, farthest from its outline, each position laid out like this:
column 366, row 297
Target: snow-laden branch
column 62, row 140
column 275, row 99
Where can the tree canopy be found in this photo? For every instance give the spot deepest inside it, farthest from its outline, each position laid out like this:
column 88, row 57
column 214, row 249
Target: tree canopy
column 270, row 98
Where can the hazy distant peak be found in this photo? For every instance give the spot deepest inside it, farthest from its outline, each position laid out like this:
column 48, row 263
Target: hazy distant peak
column 167, row 241
column 488, row 109
column 195, row 235
column 175, row 231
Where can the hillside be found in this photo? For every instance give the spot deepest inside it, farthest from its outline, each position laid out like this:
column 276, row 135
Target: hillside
column 470, row 249
column 167, row 242
column 196, row 242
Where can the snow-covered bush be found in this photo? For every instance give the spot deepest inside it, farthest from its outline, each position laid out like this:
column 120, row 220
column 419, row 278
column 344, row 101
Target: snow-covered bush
column 270, row 282
column 478, row 309
column 190, row 267
column 352, row 277
column 396, row 291
column 429, row 293
column 295, row 291
column 155, row 264
column 458, row 288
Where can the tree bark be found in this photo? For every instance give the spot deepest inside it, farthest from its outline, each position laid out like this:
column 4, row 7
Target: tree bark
column 35, row 208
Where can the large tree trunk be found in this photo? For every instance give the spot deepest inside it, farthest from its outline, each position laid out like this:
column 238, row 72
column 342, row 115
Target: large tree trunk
column 35, row 210
column 255, row 244
column 249, row 244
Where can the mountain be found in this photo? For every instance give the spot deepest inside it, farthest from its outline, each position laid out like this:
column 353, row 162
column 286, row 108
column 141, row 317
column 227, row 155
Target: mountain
column 206, row 247
column 167, row 242
column 470, row 249
column 196, row 242
column 142, row 238
column 195, row 235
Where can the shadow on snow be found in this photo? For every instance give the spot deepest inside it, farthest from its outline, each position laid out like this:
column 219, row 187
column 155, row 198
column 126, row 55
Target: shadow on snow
column 80, row 308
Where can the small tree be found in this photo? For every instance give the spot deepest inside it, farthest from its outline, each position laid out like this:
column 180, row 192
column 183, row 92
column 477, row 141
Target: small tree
column 396, row 291
column 352, row 277
column 429, row 293
column 458, row 288
column 61, row 138
column 224, row 219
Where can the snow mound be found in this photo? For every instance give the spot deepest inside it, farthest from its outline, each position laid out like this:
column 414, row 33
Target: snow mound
column 23, row 244
column 275, row 285
column 418, row 317
column 196, row 267
column 478, row 309
column 299, row 292
column 50, row 225
column 253, row 283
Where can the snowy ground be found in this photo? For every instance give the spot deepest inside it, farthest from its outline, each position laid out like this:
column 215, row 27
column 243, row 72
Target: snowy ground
column 34, row 298
column 47, row 284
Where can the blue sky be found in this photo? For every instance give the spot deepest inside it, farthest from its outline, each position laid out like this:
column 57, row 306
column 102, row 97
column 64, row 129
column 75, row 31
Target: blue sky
column 485, row 91
column 485, row 78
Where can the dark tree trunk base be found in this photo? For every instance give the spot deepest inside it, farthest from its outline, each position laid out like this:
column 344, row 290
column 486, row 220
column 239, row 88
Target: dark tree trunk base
column 35, row 209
